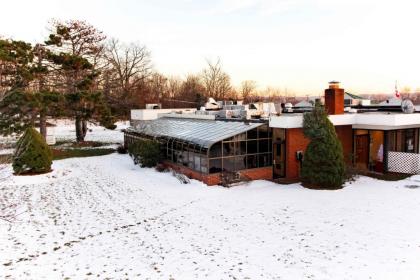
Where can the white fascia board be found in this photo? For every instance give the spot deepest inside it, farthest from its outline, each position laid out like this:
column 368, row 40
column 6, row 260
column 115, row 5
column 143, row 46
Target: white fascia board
column 293, row 121
column 296, row 121
column 388, row 120
column 379, row 120
column 345, row 119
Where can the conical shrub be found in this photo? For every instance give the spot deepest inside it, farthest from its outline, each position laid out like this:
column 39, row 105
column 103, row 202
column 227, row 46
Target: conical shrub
column 323, row 163
column 32, row 154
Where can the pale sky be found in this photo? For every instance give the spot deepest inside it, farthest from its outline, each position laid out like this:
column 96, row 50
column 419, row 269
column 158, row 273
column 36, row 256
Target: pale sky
column 295, row 44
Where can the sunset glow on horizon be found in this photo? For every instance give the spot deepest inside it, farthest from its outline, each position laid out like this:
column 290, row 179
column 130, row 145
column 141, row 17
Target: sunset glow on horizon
column 297, row 45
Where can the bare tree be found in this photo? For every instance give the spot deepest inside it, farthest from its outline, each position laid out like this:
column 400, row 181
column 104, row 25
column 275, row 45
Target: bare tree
column 174, row 87
column 192, row 91
column 129, row 66
column 247, row 89
column 216, row 82
column 158, row 85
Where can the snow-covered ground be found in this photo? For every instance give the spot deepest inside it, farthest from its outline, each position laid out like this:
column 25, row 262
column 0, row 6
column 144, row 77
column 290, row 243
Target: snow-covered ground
column 66, row 131
column 104, row 216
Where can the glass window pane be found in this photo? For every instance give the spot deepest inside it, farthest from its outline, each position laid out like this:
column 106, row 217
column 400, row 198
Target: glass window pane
column 240, row 137
column 252, row 147
column 263, row 132
column 251, row 161
column 252, row 134
column 264, row 160
column 278, row 149
column 216, row 150
column 178, row 146
column 185, row 158
column 197, row 163
column 228, row 149
column 410, row 143
column 215, row 165
column 262, row 146
column 240, row 163
column 240, row 148
column 229, row 164
column 203, row 165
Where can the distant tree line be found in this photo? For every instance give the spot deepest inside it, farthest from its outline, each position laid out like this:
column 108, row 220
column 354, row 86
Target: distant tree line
column 79, row 73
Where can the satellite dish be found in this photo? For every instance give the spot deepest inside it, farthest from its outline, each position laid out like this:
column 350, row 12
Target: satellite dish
column 407, row 106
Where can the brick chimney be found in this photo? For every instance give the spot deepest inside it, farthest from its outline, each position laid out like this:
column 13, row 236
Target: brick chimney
column 334, row 99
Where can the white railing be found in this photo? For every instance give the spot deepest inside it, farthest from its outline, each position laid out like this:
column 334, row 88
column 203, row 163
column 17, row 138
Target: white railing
column 408, row 163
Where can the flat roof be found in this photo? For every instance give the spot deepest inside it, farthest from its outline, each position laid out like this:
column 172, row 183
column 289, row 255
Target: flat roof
column 367, row 120
column 196, row 131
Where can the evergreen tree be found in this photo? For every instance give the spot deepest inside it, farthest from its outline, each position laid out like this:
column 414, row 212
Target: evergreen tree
column 323, row 163
column 15, row 64
column 32, row 154
column 75, row 47
column 24, row 99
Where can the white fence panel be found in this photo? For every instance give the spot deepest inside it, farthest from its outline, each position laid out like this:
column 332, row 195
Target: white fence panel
column 408, row 163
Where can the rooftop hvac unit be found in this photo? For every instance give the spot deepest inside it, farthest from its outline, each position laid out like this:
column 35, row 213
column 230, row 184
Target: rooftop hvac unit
column 211, row 104
column 228, row 114
column 288, row 107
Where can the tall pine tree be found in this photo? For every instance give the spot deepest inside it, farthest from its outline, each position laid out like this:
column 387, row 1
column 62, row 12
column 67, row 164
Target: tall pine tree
column 25, row 99
column 75, row 47
column 323, row 162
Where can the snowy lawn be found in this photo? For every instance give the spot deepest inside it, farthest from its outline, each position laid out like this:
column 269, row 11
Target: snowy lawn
column 103, row 216
column 65, row 131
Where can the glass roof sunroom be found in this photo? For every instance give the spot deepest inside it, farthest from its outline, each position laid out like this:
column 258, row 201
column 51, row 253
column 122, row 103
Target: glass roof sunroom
column 209, row 146
column 195, row 131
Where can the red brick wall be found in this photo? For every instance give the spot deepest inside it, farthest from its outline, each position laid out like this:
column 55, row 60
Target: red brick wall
column 345, row 134
column 295, row 141
column 214, row 179
column 262, row 173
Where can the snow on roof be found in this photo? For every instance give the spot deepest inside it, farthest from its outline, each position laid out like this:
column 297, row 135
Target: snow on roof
column 196, row 131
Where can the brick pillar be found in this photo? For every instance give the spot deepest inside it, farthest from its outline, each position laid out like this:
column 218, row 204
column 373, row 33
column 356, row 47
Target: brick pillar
column 334, row 99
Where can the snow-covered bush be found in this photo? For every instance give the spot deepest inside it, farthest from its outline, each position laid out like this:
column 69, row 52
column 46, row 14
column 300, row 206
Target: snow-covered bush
column 147, row 153
column 32, row 154
column 323, row 162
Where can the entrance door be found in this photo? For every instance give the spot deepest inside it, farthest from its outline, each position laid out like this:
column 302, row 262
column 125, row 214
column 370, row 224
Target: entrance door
column 362, row 151
column 279, row 153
